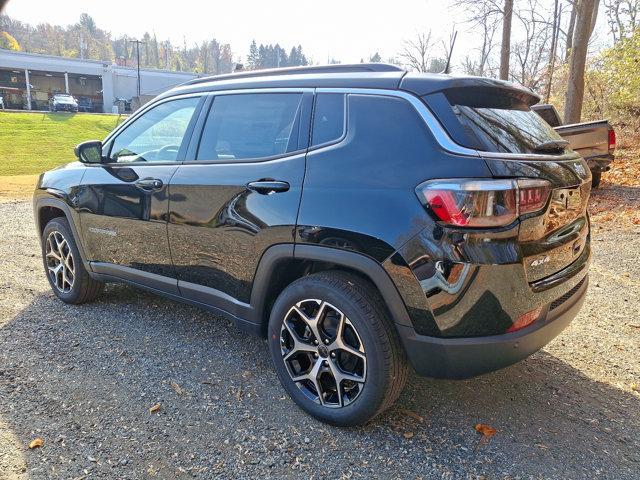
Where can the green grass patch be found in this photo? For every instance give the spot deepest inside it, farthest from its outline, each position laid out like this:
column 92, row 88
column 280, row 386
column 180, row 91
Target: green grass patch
column 31, row 143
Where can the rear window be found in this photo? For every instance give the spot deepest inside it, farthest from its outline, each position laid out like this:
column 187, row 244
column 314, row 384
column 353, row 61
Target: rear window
column 507, row 130
column 494, row 119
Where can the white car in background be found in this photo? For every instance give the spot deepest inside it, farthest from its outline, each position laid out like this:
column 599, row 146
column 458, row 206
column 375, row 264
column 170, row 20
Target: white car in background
column 63, row 102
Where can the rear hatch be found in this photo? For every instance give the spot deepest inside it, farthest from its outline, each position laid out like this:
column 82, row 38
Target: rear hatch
column 516, row 143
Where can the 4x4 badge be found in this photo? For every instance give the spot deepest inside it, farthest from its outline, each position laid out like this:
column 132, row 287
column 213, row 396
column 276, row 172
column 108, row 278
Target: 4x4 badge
column 540, row 261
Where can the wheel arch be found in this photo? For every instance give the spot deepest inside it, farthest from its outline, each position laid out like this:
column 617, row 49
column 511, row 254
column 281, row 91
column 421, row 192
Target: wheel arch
column 48, row 208
column 282, row 264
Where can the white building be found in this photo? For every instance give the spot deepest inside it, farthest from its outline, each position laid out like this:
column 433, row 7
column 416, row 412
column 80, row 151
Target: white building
column 28, row 80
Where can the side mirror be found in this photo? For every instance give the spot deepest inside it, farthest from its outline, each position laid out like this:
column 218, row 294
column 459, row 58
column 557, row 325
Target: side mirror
column 89, row 152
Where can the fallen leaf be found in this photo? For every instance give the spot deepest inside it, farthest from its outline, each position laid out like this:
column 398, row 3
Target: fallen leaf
column 177, row 388
column 407, row 435
column 485, row 430
column 38, row 442
column 412, row 414
column 155, row 408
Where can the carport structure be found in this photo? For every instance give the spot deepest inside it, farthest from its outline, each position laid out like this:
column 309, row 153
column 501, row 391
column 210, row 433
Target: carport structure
column 28, row 80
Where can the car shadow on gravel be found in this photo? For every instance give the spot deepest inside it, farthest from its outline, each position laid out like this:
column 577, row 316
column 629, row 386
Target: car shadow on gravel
column 84, row 378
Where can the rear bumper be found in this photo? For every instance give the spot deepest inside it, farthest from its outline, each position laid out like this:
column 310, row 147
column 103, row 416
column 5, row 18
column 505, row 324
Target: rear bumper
column 600, row 163
column 468, row 357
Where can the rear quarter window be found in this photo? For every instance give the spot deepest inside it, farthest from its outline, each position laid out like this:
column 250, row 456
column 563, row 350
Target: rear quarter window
column 328, row 118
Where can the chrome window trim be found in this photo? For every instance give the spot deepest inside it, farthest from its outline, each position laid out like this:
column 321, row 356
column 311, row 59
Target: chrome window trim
column 441, row 136
column 530, row 156
column 262, row 90
column 436, row 128
column 438, row 131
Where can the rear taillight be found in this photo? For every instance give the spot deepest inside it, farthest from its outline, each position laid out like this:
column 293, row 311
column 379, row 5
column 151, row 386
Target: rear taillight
column 612, row 139
column 532, row 195
column 483, row 203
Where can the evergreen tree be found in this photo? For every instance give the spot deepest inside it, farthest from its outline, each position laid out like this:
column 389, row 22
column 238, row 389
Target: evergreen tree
column 253, row 59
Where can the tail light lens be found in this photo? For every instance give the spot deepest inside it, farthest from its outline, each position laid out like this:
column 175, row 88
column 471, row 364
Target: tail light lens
column 612, row 139
column 483, row 203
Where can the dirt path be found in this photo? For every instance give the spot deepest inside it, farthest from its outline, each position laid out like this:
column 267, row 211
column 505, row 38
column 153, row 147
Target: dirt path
column 83, row 379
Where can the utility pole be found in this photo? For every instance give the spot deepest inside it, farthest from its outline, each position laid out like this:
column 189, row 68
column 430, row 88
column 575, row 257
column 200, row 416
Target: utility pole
column 137, row 42
column 82, row 46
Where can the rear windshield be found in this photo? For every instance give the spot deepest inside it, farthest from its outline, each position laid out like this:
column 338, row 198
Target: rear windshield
column 495, row 120
column 504, row 130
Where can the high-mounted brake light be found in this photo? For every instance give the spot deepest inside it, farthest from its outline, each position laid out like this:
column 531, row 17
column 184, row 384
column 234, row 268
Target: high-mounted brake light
column 612, row 139
column 483, row 203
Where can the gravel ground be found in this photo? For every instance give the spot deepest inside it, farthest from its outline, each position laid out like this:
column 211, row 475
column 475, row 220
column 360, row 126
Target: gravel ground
column 84, row 379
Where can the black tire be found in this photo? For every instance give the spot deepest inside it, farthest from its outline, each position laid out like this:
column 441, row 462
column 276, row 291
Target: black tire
column 84, row 288
column 386, row 363
column 595, row 178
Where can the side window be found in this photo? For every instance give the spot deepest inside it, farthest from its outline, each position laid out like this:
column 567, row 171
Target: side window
column 252, row 125
column 328, row 118
column 156, row 135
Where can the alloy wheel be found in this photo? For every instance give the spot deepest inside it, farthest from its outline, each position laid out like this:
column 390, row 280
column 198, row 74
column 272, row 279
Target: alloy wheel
column 323, row 353
column 60, row 262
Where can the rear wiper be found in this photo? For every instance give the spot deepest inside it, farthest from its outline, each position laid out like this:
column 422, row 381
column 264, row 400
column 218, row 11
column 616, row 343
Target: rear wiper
column 551, row 146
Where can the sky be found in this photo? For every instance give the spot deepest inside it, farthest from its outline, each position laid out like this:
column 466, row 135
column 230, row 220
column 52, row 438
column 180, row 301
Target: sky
column 347, row 30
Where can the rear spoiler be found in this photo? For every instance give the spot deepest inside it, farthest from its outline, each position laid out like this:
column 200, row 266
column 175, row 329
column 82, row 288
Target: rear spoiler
column 470, row 89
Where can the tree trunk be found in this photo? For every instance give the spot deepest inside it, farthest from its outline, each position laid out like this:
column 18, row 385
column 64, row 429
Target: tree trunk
column 594, row 17
column 572, row 25
column 505, row 49
column 575, row 88
column 554, row 44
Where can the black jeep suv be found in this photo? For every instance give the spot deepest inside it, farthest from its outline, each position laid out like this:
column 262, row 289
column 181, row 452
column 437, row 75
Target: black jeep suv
column 357, row 216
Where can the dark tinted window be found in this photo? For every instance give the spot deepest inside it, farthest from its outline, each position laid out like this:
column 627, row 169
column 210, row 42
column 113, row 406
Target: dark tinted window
column 507, row 130
column 254, row 125
column 548, row 113
column 157, row 134
column 328, row 118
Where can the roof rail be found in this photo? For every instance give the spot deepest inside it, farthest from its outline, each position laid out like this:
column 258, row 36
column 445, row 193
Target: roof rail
column 337, row 68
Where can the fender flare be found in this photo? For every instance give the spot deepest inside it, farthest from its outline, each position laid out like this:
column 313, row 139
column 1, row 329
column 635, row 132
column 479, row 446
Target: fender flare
column 352, row 260
column 54, row 202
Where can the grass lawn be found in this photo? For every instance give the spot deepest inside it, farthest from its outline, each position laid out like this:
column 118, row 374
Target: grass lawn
column 31, row 143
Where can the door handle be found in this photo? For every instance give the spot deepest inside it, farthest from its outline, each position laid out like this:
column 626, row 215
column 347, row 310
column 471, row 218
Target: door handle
column 149, row 184
column 267, row 187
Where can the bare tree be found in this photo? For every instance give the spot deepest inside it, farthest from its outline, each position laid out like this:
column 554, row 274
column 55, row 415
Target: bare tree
column 505, row 47
column 585, row 20
column 416, row 52
column 557, row 19
column 570, row 29
column 623, row 17
column 486, row 15
column 530, row 52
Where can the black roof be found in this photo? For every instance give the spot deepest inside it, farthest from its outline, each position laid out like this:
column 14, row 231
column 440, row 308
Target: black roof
column 367, row 75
